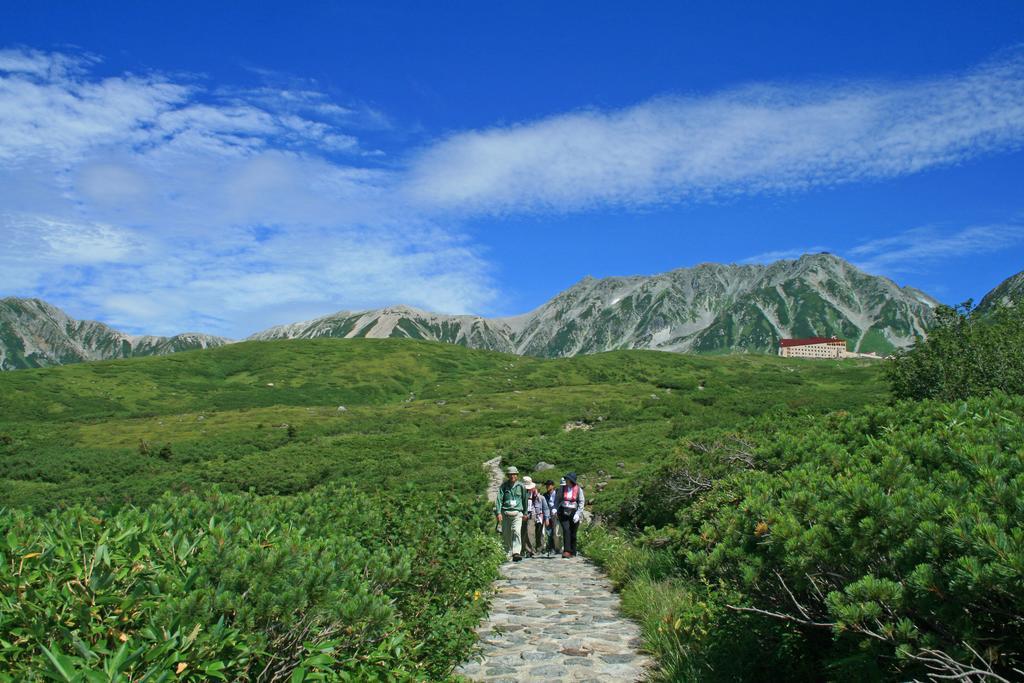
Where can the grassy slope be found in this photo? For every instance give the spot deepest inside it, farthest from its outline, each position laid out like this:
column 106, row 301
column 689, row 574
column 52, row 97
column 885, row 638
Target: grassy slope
column 417, row 412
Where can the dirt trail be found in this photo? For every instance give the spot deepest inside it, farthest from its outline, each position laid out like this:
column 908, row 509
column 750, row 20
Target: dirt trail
column 495, row 476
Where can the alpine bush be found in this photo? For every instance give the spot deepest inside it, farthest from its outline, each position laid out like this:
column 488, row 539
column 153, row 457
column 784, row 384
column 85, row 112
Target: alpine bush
column 113, row 567
column 886, row 543
column 323, row 585
column 967, row 353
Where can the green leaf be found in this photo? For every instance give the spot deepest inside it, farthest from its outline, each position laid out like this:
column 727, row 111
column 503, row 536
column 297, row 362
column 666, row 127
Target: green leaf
column 63, row 665
column 215, row 669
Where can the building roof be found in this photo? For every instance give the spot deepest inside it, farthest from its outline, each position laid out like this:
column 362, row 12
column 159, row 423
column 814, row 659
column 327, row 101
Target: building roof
column 811, row 340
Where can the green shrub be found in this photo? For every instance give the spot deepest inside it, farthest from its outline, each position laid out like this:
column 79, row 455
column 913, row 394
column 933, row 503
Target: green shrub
column 687, row 624
column 860, row 543
column 324, row 584
column 420, row 417
column 967, row 353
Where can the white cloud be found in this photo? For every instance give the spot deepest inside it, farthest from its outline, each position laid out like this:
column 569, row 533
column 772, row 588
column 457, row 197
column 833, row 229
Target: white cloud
column 160, row 206
column 43, row 64
column 58, row 241
column 292, row 275
column 911, row 250
column 767, row 138
column 51, row 106
column 62, row 117
column 112, row 182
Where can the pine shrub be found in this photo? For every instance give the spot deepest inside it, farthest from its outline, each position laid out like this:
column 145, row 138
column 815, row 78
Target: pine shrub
column 967, row 353
column 886, row 543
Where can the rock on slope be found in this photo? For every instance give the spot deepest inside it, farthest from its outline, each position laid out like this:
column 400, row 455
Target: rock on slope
column 709, row 307
column 35, row 334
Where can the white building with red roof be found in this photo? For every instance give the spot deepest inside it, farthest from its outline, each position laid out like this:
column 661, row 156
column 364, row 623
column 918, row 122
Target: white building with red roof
column 813, row 347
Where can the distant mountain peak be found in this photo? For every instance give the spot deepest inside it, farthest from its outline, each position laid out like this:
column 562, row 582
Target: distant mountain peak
column 708, row 307
column 401, row 309
column 34, row 333
column 1007, row 291
column 705, row 307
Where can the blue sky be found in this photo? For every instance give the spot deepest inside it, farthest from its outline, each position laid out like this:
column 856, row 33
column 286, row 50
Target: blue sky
column 194, row 166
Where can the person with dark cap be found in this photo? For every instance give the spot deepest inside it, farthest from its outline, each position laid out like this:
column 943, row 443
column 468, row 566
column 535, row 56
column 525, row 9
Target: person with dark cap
column 569, row 502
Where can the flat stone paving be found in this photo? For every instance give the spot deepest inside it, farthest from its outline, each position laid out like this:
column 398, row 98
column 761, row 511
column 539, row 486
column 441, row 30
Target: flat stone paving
column 555, row 620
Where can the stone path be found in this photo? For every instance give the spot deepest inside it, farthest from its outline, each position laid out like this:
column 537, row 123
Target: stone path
column 554, row 620
column 494, row 477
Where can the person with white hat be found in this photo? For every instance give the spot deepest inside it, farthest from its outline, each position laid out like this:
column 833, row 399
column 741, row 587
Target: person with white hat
column 510, row 505
column 537, row 515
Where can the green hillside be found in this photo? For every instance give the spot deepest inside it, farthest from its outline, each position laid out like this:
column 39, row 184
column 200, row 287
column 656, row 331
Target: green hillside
column 879, row 544
column 283, row 417
column 292, row 510
column 313, row 510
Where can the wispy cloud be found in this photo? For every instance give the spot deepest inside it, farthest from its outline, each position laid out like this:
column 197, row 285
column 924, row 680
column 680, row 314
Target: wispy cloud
column 756, row 139
column 157, row 205
column 51, row 106
column 915, row 249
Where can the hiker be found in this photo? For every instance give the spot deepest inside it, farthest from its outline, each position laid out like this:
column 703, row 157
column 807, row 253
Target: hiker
column 570, row 502
column 537, row 515
column 552, row 528
column 509, row 505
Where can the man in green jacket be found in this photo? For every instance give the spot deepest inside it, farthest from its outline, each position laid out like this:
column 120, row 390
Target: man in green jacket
column 510, row 506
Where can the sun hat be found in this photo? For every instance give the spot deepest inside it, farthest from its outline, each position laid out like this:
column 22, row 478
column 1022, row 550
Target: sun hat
column 512, row 470
column 571, row 477
column 529, row 484
column 562, row 482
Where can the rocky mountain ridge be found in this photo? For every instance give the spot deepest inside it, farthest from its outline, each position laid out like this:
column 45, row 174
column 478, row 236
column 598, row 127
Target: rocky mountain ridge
column 400, row 321
column 36, row 334
column 1009, row 290
column 709, row 307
